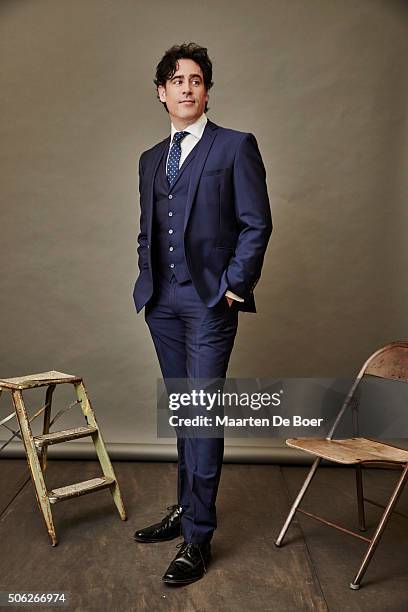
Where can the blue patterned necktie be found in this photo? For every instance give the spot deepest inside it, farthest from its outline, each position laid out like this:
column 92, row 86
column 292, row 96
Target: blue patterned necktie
column 174, row 157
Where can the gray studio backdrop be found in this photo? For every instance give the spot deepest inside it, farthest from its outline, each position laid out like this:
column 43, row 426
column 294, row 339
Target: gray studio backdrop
column 322, row 85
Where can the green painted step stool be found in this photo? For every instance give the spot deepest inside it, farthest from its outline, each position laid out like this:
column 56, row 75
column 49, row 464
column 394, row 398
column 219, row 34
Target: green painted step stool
column 36, row 447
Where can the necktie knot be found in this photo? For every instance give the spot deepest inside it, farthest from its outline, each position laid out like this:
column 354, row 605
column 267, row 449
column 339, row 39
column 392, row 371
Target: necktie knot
column 178, row 137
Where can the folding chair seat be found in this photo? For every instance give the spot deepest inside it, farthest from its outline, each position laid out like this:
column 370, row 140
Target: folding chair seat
column 351, row 450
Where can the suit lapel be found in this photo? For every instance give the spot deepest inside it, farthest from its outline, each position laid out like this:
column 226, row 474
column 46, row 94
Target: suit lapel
column 203, row 148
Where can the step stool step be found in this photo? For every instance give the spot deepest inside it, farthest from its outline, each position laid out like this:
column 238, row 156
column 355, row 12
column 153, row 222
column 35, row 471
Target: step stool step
column 38, row 380
column 80, row 488
column 56, row 437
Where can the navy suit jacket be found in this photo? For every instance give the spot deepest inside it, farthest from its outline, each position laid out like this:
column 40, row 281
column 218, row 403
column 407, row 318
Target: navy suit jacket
column 227, row 221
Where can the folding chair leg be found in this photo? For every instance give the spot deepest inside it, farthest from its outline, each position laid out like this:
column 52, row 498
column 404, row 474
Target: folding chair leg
column 298, row 500
column 380, row 529
column 360, row 498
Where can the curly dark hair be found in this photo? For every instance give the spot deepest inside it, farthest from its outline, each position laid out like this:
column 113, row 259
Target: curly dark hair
column 168, row 65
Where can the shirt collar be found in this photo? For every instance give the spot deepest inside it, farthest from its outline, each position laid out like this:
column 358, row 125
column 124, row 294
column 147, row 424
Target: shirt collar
column 196, row 128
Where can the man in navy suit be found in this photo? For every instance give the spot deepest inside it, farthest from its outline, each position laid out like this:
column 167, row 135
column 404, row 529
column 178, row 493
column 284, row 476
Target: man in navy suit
column 204, row 227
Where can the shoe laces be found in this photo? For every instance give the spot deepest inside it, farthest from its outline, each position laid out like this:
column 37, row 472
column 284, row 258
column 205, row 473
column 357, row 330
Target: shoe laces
column 172, row 509
column 169, row 518
column 184, row 545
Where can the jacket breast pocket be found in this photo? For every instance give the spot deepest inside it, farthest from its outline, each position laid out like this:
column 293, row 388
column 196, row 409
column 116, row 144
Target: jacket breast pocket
column 215, row 172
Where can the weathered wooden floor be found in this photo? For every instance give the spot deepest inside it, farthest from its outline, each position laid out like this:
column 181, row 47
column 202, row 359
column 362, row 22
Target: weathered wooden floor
column 100, row 567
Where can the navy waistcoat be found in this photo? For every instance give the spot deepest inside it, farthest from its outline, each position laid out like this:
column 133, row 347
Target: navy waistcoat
column 168, row 221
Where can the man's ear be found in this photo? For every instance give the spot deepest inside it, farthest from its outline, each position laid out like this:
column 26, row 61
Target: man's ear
column 162, row 93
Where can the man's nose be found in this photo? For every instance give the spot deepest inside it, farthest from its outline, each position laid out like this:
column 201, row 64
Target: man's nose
column 186, row 88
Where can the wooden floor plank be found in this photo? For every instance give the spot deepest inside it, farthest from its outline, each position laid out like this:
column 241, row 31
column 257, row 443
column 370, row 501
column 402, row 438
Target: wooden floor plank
column 336, row 556
column 14, row 475
column 101, row 567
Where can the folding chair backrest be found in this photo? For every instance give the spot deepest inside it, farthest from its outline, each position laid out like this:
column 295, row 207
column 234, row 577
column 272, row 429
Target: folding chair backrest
column 389, row 362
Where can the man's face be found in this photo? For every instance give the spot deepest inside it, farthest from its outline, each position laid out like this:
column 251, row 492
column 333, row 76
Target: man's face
column 184, row 94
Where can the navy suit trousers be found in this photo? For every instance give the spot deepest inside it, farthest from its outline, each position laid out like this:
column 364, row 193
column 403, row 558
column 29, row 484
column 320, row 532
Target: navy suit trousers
column 193, row 340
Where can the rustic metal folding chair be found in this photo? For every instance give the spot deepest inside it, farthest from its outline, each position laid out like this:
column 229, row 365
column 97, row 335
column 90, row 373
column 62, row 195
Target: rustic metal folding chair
column 389, row 362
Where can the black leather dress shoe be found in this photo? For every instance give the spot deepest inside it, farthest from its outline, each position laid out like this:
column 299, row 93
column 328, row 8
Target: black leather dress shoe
column 189, row 564
column 167, row 529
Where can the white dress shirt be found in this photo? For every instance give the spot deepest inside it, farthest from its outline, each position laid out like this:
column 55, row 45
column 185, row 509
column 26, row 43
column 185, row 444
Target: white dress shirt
column 195, row 131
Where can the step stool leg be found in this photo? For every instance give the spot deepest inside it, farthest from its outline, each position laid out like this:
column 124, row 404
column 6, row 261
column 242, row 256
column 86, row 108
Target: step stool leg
column 46, row 426
column 100, row 448
column 34, row 464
